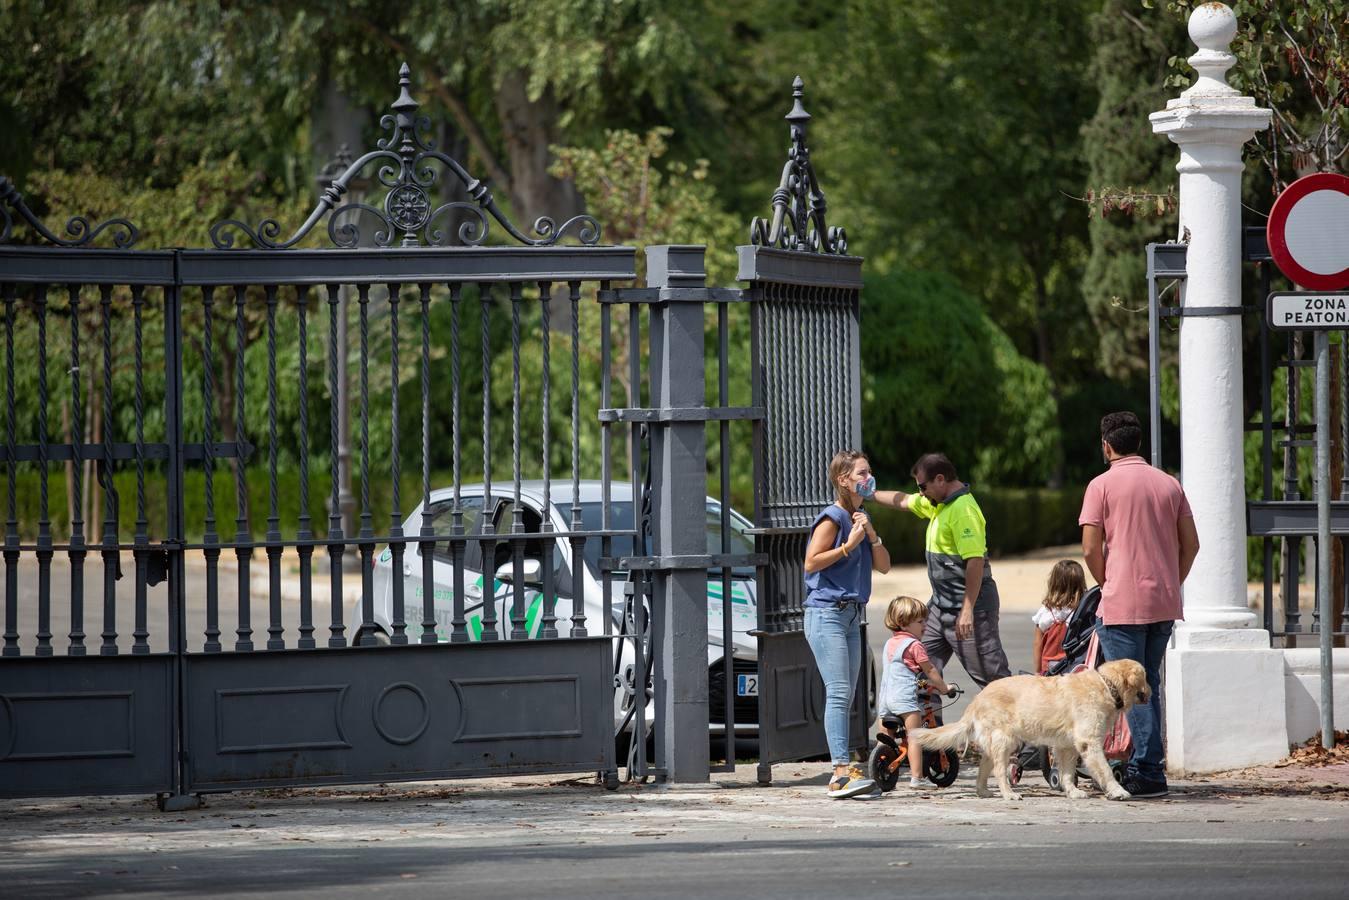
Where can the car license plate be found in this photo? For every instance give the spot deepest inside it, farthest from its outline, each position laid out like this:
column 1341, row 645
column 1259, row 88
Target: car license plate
column 747, row 685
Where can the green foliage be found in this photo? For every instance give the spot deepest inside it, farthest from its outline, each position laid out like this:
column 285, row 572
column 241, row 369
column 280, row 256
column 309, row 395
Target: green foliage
column 1019, row 520
column 1129, row 69
column 28, row 502
column 938, row 375
column 192, row 111
column 644, row 202
column 944, row 167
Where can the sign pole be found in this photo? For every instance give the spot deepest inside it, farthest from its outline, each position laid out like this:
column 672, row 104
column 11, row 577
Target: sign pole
column 1323, row 582
column 1308, row 237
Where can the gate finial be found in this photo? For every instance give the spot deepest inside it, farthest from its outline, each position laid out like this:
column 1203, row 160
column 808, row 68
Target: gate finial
column 406, row 155
column 798, row 203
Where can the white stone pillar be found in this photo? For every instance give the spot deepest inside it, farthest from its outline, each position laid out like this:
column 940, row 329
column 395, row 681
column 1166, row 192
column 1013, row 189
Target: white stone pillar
column 1210, row 122
column 1221, row 674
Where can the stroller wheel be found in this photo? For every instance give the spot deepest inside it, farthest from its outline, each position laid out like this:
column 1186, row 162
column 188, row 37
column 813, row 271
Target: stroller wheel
column 942, row 768
column 1117, row 769
column 883, row 765
column 1014, row 772
column 1051, row 775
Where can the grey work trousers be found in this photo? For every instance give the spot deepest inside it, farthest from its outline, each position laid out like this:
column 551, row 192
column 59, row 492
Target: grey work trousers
column 982, row 655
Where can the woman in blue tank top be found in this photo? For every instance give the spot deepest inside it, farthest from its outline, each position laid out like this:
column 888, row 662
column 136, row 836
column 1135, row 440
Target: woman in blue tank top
column 842, row 551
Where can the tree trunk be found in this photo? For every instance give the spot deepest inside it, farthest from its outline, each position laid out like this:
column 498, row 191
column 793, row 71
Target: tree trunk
column 529, row 129
column 337, row 123
column 1044, row 355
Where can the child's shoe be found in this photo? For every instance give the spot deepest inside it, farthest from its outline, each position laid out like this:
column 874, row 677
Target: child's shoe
column 917, row 784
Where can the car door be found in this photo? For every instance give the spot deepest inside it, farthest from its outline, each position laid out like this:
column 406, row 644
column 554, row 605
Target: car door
column 533, row 549
column 442, row 566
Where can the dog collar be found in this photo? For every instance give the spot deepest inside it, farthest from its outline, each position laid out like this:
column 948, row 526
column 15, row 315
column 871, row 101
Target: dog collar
column 1114, row 694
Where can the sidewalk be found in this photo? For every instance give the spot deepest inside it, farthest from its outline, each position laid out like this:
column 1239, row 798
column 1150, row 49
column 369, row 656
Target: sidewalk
column 558, row 837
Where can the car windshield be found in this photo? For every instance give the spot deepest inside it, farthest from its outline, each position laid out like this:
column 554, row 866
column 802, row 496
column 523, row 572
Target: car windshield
column 620, row 519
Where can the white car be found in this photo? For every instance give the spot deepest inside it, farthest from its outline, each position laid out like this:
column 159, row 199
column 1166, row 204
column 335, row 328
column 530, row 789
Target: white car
column 500, row 512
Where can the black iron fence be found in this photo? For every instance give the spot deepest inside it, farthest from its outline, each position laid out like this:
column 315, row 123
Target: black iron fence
column 1281, row 512
column 503, row 623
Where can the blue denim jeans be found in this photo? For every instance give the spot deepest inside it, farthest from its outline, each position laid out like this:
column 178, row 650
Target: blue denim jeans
column 835, row 637
column 1145, row 644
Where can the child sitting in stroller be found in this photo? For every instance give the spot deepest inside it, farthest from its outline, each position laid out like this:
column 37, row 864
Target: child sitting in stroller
column 1067, row 584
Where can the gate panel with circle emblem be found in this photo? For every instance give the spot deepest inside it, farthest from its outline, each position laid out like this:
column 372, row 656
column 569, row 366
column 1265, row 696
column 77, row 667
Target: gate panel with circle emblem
column 393, row 713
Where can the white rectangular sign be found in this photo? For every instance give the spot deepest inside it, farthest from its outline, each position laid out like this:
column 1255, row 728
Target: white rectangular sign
column 1308, row 311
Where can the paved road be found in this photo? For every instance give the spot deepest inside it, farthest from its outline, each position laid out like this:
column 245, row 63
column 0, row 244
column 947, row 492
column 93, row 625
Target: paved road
column 548, row 838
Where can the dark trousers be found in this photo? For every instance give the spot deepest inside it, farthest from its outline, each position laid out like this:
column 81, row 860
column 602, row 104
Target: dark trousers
column 982, row 655
column 1145, row 644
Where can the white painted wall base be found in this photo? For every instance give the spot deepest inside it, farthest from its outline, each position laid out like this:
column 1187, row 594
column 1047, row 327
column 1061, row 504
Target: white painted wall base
column 1225, row 701
column 1302, row 684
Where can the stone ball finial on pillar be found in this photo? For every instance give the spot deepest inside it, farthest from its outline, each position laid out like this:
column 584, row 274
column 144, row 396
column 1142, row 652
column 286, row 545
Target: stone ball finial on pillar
column 1220, row 671
column 1210, row 123
column 1212, row 28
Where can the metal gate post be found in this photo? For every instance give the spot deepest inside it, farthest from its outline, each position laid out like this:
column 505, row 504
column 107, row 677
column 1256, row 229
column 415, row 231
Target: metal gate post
column 175, row 538
column 679, row 514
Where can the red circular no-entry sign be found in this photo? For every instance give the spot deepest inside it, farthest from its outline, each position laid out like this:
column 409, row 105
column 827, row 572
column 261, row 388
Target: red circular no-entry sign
column 1308, row 232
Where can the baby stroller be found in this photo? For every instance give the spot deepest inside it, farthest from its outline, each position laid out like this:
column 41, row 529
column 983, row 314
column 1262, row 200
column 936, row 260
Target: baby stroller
column 1081, row 650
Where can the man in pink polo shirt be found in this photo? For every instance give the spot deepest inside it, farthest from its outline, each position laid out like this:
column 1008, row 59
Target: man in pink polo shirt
column 1139, row 539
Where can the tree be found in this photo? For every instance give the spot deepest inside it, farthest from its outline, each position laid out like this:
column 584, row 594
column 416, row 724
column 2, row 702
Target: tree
column 1293, row 57
column 939, row 375
column 1125, row 158
column 940, row 165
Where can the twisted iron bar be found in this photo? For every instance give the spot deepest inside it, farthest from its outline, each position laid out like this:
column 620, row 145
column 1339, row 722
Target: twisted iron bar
column 124, row 234
column 396, row 514
column 11, row 637
column 798, row 221
column 408, row 174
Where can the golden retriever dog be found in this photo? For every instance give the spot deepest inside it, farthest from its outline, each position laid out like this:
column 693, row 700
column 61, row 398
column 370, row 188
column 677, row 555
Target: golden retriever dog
column 1070, row 714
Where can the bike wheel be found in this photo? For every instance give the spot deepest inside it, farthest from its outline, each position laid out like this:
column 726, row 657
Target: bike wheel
column 942, row 768
column 883, row 766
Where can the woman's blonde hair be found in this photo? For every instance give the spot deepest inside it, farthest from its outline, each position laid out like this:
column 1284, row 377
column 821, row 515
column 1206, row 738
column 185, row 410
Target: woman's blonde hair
column 1067, row 584
column 841, row 465
column 903, row 610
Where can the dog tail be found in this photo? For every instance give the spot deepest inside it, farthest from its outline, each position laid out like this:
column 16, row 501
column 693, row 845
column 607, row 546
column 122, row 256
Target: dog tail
column 947, row 737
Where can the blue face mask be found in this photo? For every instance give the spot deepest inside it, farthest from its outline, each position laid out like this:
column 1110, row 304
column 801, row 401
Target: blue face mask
column 867, row 489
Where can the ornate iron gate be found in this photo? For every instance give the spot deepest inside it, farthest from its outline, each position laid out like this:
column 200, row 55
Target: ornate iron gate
column 513, row 625
column 807, row 377
column 510, row 687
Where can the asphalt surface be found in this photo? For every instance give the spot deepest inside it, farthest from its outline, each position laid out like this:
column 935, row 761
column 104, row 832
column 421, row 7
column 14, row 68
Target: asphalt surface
column 571, row 838
column 539, row 837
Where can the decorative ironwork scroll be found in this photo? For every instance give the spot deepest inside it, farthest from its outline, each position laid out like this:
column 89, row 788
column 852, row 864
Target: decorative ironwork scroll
column 798, row 203
column 124, row 234
column 409, row 173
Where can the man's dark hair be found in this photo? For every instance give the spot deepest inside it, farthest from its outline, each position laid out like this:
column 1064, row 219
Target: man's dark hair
column 930, row 465
column 1122, row 431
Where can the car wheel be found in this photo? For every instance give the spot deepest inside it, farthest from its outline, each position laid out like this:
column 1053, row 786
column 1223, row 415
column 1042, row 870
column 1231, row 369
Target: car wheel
column 381, row 639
